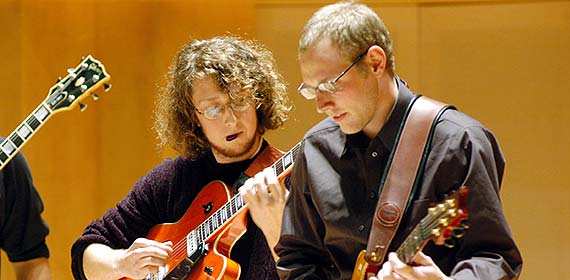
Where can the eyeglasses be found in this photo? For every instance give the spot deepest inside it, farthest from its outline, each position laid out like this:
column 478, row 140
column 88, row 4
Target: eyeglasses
column 214, row 112
column 328, row 87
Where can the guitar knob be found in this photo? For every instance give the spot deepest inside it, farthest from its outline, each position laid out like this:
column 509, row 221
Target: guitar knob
column 209, row 270
column 95, row 96
column 82, row 107
column 107, row 87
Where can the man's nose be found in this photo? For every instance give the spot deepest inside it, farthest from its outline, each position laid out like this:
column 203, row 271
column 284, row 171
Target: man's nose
column 323, row 102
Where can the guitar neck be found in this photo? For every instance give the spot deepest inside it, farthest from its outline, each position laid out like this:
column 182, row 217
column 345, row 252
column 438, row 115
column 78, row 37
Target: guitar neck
column 16, row 140
column 415, row 241
column 282, row 168
column 439, row 223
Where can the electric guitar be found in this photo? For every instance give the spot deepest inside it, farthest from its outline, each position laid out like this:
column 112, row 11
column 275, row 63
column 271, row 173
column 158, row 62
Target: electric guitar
column 442, row 224
column 204, row 236
column 66, row 94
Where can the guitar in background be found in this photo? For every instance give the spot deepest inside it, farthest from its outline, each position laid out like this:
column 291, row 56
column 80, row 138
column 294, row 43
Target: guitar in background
column 65, row 95
column 442, row 224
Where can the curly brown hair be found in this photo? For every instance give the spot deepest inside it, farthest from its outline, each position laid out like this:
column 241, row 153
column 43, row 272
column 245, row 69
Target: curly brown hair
column 231, row 62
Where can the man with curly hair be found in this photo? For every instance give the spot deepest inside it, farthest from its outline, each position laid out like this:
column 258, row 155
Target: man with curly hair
column 222, row 95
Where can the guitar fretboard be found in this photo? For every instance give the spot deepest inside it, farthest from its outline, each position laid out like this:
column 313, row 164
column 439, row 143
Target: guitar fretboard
column 14, row 142
column 236, row 203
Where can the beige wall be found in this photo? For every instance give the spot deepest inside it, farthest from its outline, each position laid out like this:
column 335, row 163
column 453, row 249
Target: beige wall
column 504, row 62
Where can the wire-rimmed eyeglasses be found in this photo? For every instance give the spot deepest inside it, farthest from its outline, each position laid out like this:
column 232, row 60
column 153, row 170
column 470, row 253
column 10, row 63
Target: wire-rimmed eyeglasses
column 214, row 112
column 328, row 87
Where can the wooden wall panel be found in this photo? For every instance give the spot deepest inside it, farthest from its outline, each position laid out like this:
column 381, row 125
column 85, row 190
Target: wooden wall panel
column 507, row 64
column 83, row 163
column 504, row 62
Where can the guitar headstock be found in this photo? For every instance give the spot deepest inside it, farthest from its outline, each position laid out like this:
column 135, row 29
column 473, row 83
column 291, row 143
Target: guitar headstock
column 449, row 218
column 80, row 83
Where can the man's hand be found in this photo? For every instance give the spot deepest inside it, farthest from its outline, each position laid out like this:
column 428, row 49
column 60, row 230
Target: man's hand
column 424, row 269
column 143, row 257
column 265, row 198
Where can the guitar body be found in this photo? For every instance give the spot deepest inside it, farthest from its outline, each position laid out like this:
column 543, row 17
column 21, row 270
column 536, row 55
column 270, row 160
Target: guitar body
column 363, row 270
column 215, row 264
column 205, row 235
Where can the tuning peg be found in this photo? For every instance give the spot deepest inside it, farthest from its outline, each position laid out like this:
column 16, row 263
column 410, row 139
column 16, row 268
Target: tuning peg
column 71, row 72
column 107, row 87
column 465, row 223
column 95, row 96
column 83, row 88
column 82, row 107
column 458, row 232
column 450, row 243
column 95, row 78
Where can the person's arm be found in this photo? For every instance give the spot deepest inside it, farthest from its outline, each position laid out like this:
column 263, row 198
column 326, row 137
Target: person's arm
column 300, row 248
column 469, row 156
column 265, row 198
column 34, row 269
column 142, row 258
column 487, row 250
column 120, row 227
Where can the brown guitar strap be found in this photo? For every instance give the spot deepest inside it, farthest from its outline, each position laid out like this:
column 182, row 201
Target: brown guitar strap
column 406, row 165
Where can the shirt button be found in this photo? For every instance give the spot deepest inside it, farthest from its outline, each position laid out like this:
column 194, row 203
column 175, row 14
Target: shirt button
column 374, row 154
column 372, row 194
column 361, row 228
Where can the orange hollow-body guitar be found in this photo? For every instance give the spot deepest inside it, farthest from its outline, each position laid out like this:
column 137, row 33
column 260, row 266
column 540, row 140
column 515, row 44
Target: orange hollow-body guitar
column 203, row 238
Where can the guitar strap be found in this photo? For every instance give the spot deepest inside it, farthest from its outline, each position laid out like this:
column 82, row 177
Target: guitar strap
column 402, row 175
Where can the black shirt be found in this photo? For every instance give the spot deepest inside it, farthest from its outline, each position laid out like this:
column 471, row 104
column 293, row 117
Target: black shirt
column 22, row 229
column 334, row 191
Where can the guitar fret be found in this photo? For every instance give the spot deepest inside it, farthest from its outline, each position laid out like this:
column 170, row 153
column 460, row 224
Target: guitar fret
column 287, row 160
column 224, row 213
column 33, row 122
column 278, row 167
column 232, row 206
column 216, row 219
column 3, row 157
column 41, row 113
column 24, row 131
column 8, row 147
column 201, row 236
column 16, row 139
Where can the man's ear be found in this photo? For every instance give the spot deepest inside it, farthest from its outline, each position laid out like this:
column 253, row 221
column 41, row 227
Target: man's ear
column 377, row 60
